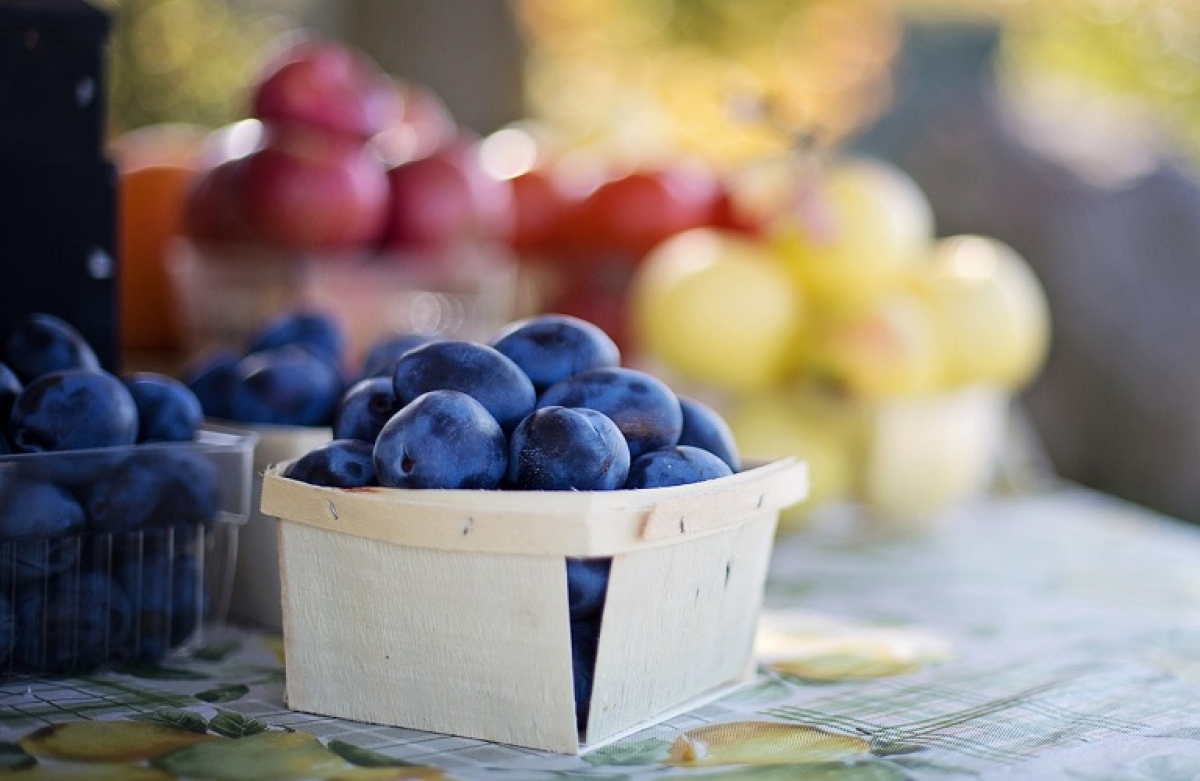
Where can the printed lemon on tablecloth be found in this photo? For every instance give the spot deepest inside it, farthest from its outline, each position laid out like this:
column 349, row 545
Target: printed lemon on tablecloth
column 107, row 741
column 170, row 743
column 816, row 648
column 765, row 743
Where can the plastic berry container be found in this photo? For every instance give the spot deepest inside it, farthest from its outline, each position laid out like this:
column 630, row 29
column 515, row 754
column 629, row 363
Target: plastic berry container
column 118, row 556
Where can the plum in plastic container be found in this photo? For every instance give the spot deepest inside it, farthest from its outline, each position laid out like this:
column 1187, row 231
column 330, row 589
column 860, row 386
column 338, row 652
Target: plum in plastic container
column 118, row 556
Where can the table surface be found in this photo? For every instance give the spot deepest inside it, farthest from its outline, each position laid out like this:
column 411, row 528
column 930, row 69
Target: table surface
column 1048, row 636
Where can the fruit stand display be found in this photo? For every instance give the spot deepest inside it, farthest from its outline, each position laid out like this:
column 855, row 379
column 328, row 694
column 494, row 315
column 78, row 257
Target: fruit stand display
column 807, row 293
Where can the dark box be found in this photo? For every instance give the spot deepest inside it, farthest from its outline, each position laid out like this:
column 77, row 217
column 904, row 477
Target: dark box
column 57, row 191
column 52, row 85
column 57, row 226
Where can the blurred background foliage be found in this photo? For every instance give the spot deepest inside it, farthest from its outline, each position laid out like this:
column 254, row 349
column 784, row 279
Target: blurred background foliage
column 187, row 61
column 641, row 76
column 726, row 80
column 1144, row 54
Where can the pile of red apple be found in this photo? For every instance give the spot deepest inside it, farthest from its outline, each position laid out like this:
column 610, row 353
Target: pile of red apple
column 338, row 157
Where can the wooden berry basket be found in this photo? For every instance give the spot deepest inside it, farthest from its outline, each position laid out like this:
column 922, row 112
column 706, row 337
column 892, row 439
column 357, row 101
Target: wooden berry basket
column 446, row 611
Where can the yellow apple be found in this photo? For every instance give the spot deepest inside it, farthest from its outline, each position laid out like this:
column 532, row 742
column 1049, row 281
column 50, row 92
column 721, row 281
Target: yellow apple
column 716, row 308
column 888, row 346
column 990, row 309
column 846, row 228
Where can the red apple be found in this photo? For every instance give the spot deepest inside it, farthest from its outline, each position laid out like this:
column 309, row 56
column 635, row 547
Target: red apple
column 541, row 205
column 446, row 197
column 210, row 210
column 727, row 215
column 634, row 212
column 423, row 126
column 310, row 190
column 326, row 84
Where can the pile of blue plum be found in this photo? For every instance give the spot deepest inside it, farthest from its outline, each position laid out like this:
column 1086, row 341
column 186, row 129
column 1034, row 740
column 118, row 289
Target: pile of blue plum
column 104, row 505
column 545, row 405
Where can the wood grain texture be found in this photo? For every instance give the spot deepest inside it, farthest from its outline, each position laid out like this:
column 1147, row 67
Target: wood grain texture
column 678, row 621
column 472, row 644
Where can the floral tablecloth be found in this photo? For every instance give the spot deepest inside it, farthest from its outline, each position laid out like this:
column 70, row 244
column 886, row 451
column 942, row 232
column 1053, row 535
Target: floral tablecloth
column 1054, row 636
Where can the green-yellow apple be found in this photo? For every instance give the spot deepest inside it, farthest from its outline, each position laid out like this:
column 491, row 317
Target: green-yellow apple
column 990, row 310
column 846, row 227
column 886, row 347
column 717, row 308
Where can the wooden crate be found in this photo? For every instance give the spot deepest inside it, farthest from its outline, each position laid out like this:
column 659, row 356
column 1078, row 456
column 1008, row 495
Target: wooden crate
column 447, row 611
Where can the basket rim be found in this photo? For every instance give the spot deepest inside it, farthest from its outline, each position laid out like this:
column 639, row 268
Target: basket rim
column 567, row 523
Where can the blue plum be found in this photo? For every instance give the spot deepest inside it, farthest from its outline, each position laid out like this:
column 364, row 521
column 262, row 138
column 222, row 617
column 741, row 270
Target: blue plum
column 191, row 489
column 476, row 369
column 188, row 597
column 154, row 486
column 39, row 524
column 340, row 463
column 644, row 408
column 8, row 630
column 126, row 498
column 566, row 449
column 30, row 560
column 705, row 428
column 143, row 571
column 77, row 622
column 10, row 388
column 163, row 581
column 587, row 585
column 585, row 640
column 678, row 465
column 72, row 470
column 40, row 343
column 364, row 408
column 212, row 377
column 550, row 348
column 168, row 410
column 73, row 409
column 310, row 329
column 441, row 439
column 380, row 359
column 38, row 509
column 287, row 386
